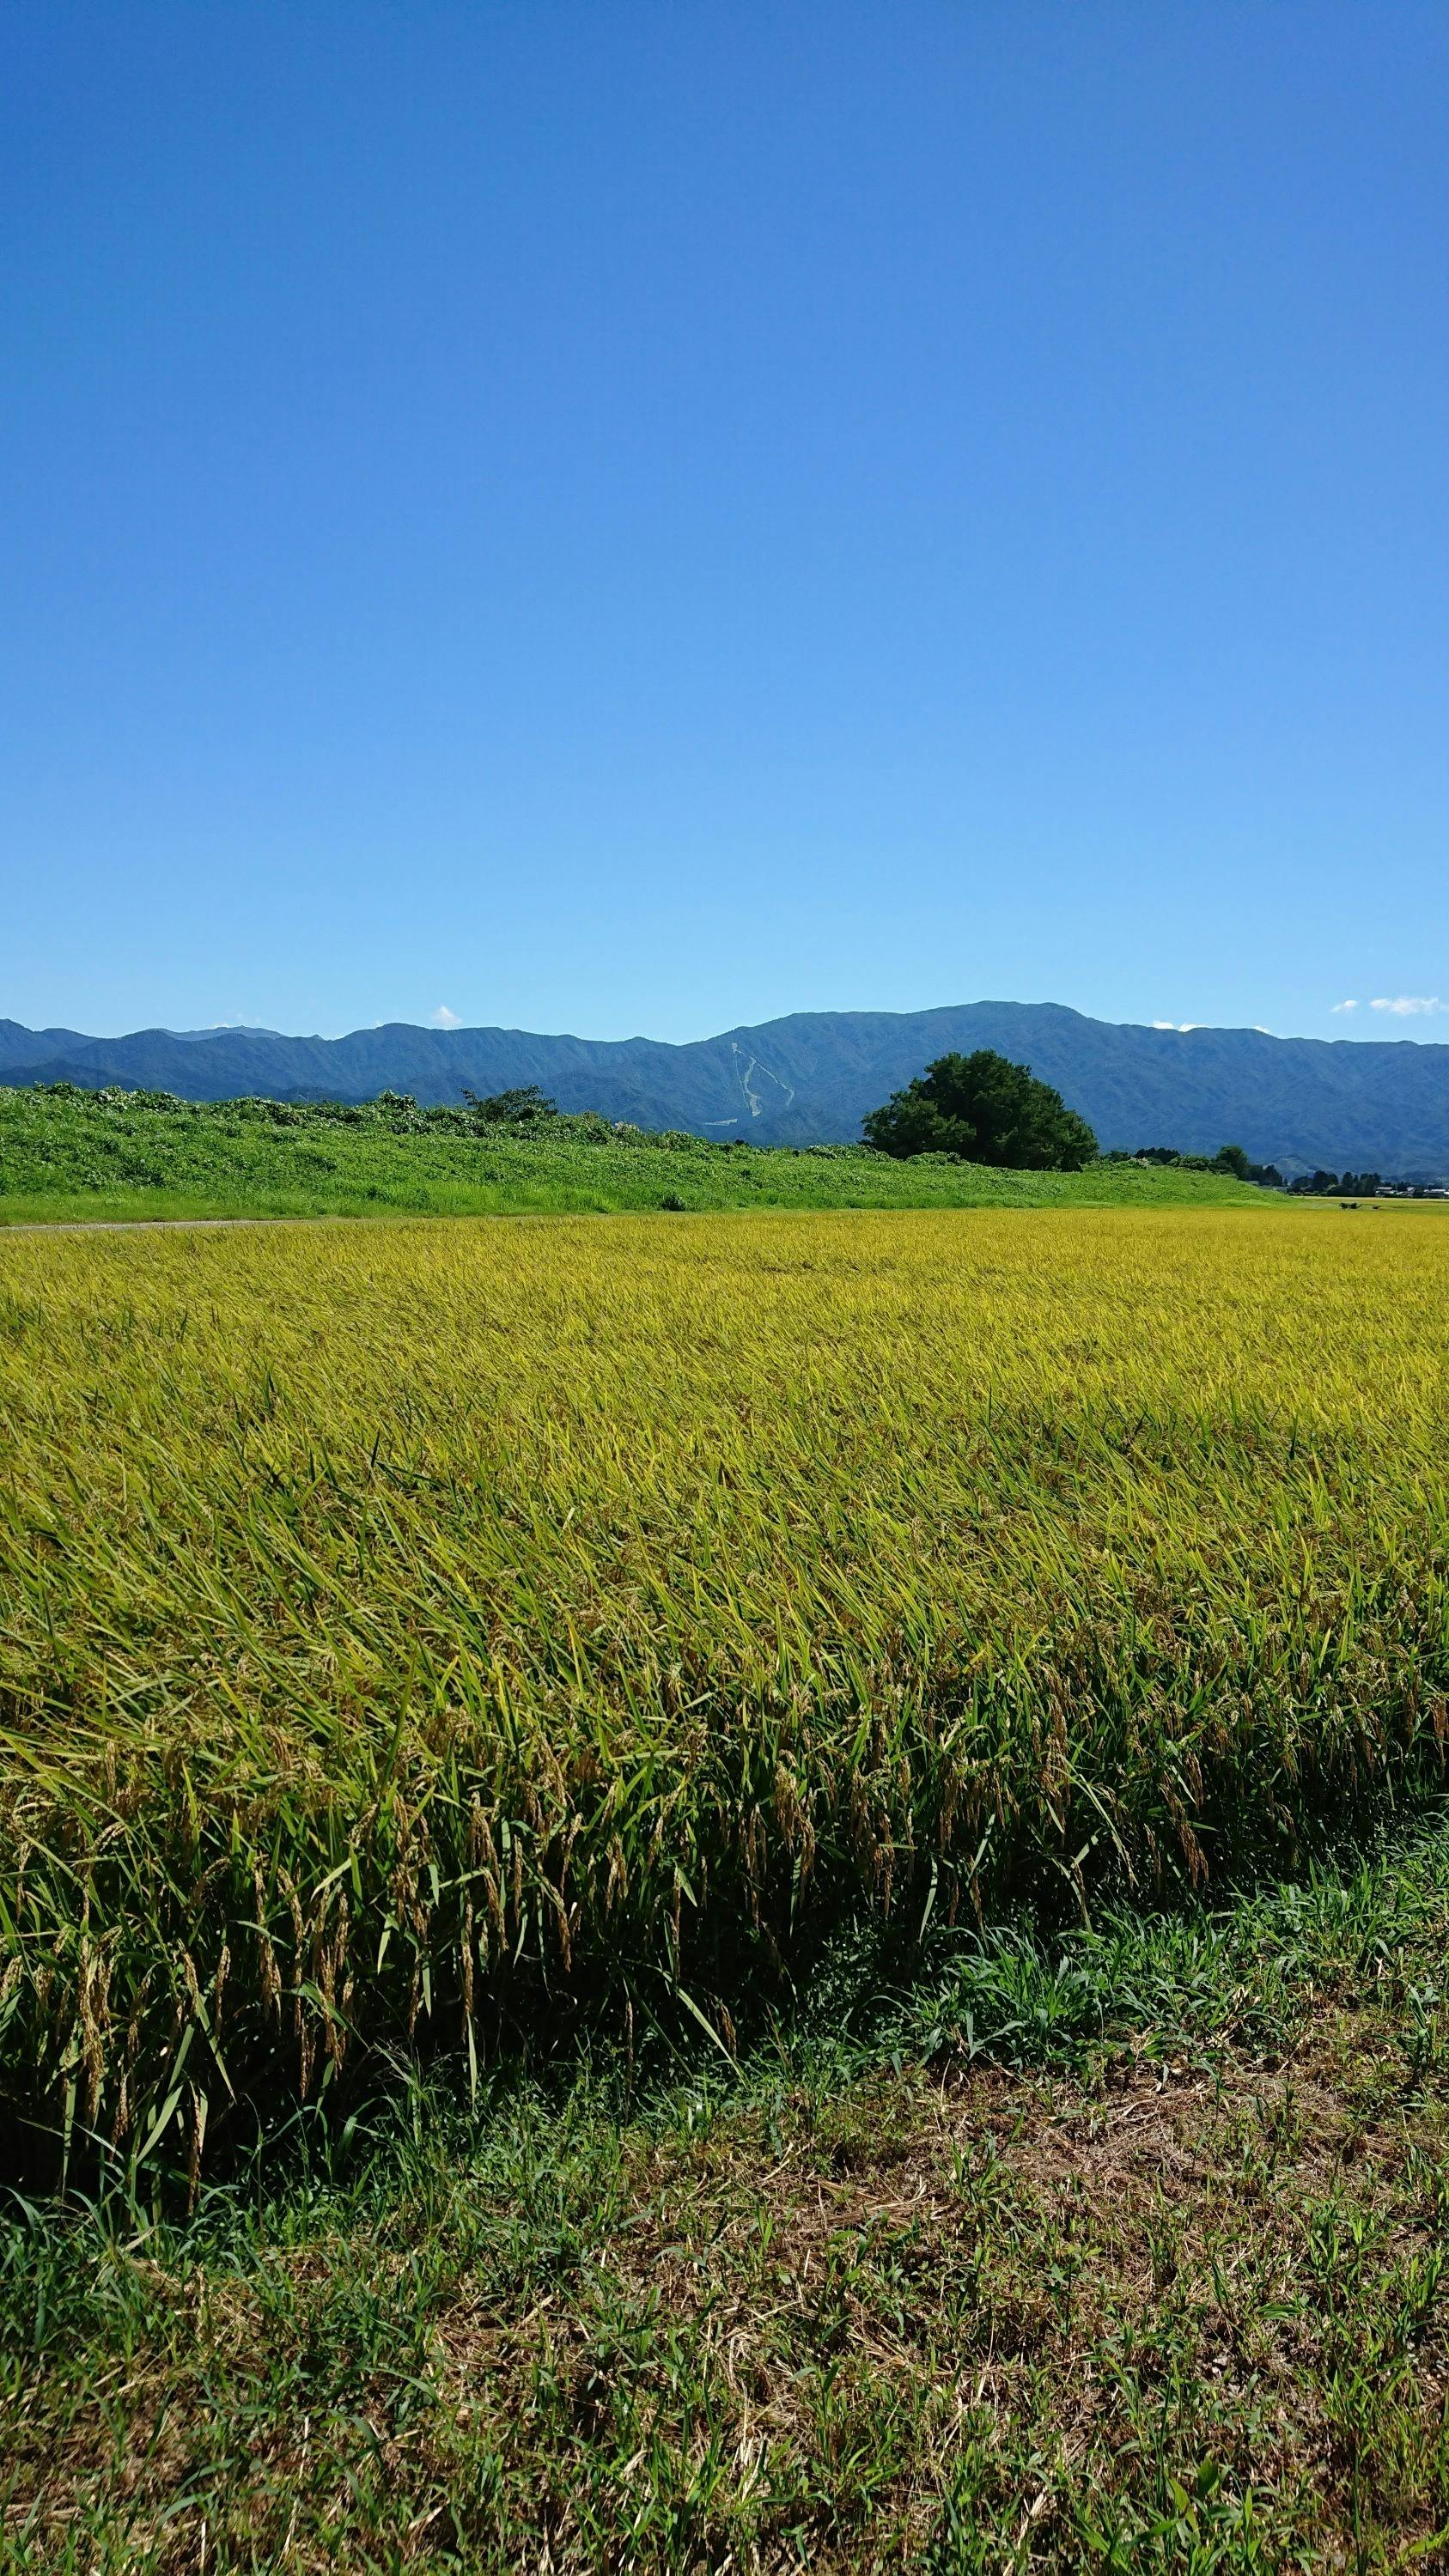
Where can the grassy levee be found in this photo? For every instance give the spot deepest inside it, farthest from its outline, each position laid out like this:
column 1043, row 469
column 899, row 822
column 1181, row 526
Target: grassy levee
column 425, row 1635
column 69, row 1155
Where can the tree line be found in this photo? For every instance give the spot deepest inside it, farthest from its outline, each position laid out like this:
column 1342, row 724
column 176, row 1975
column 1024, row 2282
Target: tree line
column 982, row 1108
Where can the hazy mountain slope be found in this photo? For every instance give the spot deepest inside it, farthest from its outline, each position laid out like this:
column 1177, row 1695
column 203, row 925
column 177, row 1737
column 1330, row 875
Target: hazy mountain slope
column 811, row 1077
column 22, row 1047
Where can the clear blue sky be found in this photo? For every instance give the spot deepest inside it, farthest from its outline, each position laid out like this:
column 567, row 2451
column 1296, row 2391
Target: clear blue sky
column 638, row 518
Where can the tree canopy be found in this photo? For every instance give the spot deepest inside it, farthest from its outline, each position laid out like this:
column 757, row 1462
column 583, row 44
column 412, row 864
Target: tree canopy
column 982, row 1108
column 525, row 1107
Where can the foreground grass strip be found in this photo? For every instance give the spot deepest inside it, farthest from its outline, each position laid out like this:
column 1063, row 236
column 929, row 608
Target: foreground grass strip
column 1164, row 2291
column 416, row 1640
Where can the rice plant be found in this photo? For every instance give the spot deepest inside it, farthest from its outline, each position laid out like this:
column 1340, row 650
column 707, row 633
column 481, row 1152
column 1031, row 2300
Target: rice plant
column 417, row 1638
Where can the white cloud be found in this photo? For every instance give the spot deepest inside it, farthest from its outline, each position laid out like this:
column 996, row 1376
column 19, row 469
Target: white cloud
column 443, row 1018
column 1347, row 1006
column 1405, row 1006
column 1177, row 1024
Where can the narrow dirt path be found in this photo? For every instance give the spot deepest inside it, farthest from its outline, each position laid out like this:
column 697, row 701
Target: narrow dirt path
column 157, row 1224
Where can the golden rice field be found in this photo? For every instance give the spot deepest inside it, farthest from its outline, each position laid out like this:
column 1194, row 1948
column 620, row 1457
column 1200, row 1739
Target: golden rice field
column 413, row 1636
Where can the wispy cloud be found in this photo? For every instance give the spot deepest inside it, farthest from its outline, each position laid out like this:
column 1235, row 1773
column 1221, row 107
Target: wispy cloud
column 443, row 1018
column 1407, row 1006
column 1347, row 1006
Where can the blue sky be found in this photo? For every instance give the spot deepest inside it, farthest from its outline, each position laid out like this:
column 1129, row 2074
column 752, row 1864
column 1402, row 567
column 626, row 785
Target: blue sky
column 641, row 518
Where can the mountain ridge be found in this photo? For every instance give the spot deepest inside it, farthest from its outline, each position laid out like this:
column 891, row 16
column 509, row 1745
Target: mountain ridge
column 809, row 1077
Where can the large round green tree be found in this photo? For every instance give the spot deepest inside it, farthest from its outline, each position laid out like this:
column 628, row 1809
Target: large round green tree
column 984, row 1109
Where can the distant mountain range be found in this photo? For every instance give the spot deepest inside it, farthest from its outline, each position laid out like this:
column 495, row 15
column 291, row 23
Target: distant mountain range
column 809, row 1079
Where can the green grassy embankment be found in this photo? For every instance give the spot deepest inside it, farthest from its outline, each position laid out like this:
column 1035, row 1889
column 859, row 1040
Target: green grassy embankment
column 70, row 1156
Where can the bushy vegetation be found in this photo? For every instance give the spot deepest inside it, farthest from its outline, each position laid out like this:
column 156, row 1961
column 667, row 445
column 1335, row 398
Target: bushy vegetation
column 982, row 1108
column 1317, row 1184
column 66, row 1153
column 1228, row 1158
column 426, row 1638
column 1323, row 1184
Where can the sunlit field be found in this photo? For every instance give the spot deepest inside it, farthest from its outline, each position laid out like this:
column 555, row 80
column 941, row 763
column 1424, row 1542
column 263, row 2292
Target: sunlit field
column 425, row 1635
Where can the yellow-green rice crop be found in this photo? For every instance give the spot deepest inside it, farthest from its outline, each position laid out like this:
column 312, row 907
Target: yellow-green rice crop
column 410, row 1634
